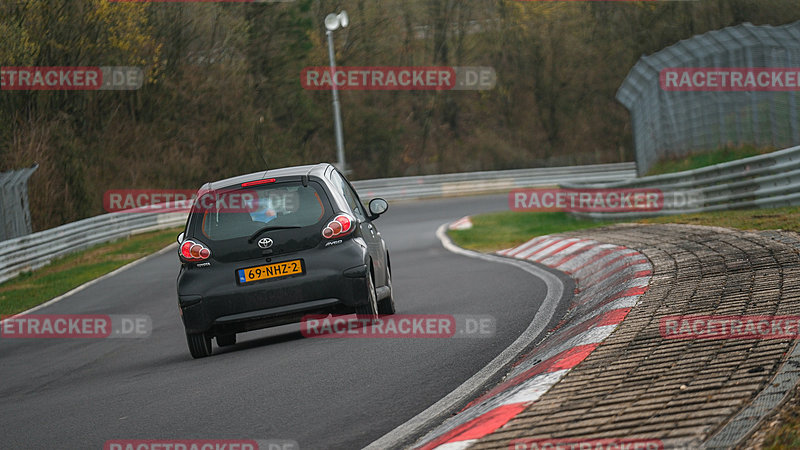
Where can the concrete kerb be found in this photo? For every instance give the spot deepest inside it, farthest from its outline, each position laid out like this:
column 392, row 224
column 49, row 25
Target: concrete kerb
column 609, row 281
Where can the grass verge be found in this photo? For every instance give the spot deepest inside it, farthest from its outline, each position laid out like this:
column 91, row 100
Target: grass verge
column 496, row 231
column 64, row 274
column 786, row 435
column 698, row 160
column 787, row 218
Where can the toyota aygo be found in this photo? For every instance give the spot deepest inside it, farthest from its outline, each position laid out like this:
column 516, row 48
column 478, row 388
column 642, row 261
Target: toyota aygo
column 268, row 248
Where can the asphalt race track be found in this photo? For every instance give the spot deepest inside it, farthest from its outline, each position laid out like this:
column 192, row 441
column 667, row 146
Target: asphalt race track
column 274, row 384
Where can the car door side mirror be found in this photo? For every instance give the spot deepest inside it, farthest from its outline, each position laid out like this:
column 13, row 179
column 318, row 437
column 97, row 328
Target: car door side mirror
column 378, row 206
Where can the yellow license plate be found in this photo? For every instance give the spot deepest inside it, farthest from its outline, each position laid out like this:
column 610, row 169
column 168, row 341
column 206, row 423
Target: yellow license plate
column 277, row 270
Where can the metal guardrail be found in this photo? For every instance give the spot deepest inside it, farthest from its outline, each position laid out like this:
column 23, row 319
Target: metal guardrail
column 763, row 181
column 470, row 183
column 35, row 250
column 38, row 249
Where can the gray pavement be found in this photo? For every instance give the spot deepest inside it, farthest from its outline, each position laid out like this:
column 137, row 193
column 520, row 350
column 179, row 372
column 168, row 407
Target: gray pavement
column 274, row 384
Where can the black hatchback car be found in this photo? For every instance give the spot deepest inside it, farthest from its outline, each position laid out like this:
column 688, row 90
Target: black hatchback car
column 268, row 248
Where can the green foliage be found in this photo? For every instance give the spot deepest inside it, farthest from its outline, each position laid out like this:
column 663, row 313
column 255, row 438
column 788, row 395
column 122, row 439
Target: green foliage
column 223, row 91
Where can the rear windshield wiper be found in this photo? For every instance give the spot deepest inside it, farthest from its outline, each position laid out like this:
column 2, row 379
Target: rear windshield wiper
column 267, row 228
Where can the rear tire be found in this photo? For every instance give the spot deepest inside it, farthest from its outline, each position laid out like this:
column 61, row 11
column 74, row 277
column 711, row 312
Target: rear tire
column 199, row 344
column 386, row 306
column 369, row 311
column 226, row 340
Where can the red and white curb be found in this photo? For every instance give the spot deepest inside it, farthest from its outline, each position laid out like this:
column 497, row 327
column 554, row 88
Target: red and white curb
column 463, row 223
column 609, row 279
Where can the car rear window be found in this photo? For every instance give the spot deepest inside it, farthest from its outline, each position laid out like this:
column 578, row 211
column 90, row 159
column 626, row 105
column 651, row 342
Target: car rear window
column 286, row 204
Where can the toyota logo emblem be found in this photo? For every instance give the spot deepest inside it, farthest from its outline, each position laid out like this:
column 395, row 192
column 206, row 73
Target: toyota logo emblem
column 265, row 243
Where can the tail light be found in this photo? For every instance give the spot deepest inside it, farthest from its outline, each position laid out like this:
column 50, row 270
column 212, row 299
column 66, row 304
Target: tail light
column 194, row 251
column 340, row 226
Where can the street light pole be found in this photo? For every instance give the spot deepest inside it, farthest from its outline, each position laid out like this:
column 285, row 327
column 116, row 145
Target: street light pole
column 337, row 111
column 332, row 23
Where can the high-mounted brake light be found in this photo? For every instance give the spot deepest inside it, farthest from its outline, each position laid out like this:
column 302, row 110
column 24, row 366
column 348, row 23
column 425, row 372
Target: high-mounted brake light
column 340, row 226
column 194, row 251
column 258, row 182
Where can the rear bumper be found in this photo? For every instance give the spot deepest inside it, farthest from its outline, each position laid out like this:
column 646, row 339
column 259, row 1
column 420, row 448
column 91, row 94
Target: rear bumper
column 211, row 300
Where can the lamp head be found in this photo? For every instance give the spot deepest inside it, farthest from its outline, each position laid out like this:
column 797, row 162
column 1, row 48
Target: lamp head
column 334, row 21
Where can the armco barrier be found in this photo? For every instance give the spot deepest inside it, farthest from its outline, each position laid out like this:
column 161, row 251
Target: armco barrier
column 430, row 186
column 763, row 181
column 38, row 249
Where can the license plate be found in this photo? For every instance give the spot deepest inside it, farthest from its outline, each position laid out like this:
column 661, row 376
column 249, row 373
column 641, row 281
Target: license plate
column 277, row 270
